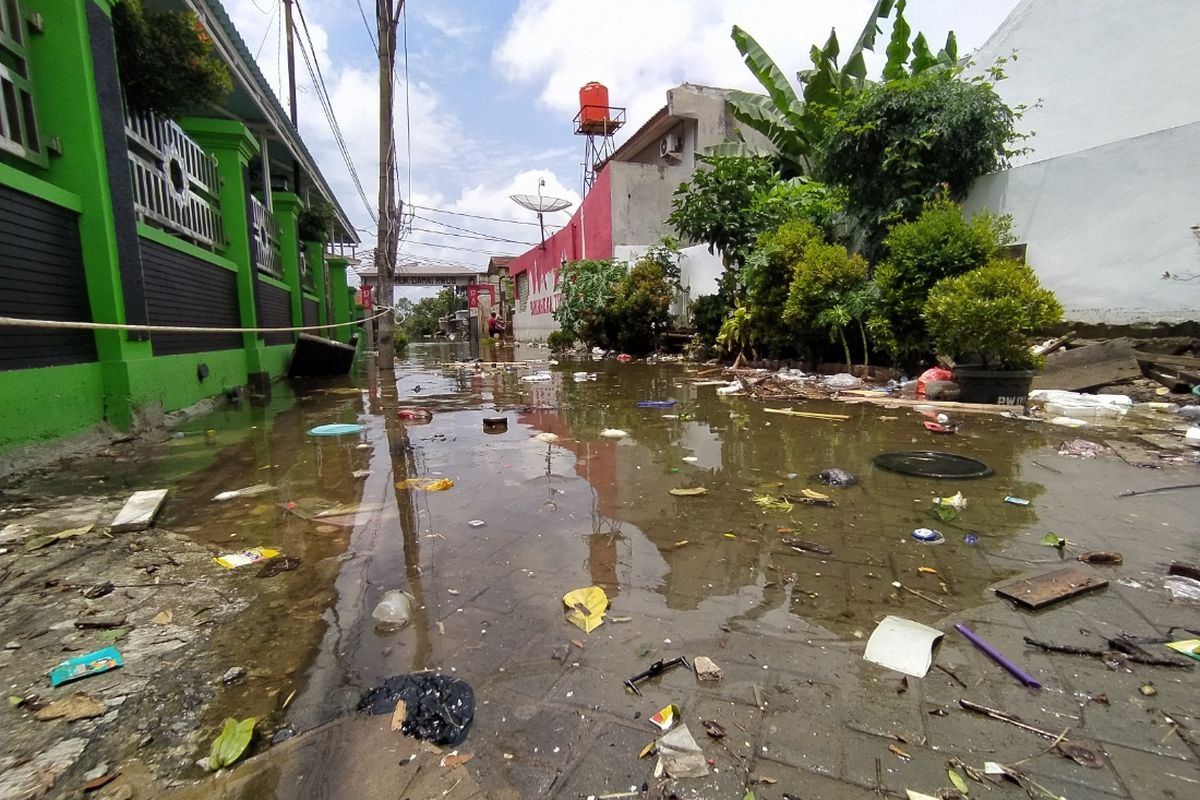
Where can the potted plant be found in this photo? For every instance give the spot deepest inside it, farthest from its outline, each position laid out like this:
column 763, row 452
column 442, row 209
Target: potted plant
column 986, row 317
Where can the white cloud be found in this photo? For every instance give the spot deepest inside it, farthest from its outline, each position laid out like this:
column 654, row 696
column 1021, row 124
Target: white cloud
column 447, row 21
column 641, row 49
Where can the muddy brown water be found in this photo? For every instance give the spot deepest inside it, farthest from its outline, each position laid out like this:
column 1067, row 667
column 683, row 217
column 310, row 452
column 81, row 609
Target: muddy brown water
column 582, row 510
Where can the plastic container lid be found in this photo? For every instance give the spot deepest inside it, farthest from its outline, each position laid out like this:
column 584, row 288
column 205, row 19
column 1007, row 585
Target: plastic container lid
column 928, row 536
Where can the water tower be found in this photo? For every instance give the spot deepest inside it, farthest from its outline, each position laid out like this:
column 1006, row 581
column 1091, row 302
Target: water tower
column 597, row 121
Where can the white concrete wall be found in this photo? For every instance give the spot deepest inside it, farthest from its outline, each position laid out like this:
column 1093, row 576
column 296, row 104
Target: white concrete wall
column 1104, row 224
column 699, row 271
column 641, row 201
column 1103, row 70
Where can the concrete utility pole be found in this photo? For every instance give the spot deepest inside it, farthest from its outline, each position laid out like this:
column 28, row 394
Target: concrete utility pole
column 387, row 242
column 291, row 59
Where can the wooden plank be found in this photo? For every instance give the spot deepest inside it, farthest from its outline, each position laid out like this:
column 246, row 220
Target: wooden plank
column 1052, row 587
column 139, row 511
column 1187, row 362
column 1088, row 367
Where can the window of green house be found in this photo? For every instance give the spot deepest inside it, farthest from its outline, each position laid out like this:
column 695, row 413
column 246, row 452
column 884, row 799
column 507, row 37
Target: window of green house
column 18, row 121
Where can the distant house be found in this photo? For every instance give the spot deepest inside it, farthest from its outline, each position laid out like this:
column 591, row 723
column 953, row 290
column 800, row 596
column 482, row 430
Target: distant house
column 625, row 212
column 113, row 216
column 1107, row 199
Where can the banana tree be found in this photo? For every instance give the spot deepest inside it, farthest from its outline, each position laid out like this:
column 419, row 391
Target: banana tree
column 794, row 123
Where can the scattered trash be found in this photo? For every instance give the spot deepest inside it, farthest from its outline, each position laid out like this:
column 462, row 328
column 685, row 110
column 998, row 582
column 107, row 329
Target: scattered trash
column 76, row 707
column 695, row 491
column 624, row 358
column 932, row 374
column 654, row 670
column 1131, row 493
column 1016, row 501
column 955, row 501
column 586, row 607
column 836, row 477
column 456, row 760
column 495, row 424
column 439, row 708
column 418, row 415
column 1181, row 588
column 805, row 414
column 656, row 403
column 937, row 427
column 689, row 459
column 548, row 438
column 665, row 717
column 919, row 594
column 772, row 503
column 1054, row 540
column 732, row 388
column 983, row 645
column 902, row 645
column 970, row 538
column 1080, row 448
column 231, row 743
column 249, row 491
column 706, row 669
column 233, row 675
column 163, row 618
column 680, row 756
column 899, row 753
column 842, row 380
column 139, row 511
column 1185, row 569
column 1100, row 557
column 336, row 429
column 426, row 484
column 713, row 728
column 581, row 377
column 537, row 377
column 244, row 557
column 1188, row 647
column 360, row 473
column 1147, row 690
column 86, row 665
column 394, row 611
column 928, row 536
column 805, row 544
column 1084, row 754
column 476, row 523
column 1051, row 587
column 932, row 464
column 277, row 565
column 613, row 433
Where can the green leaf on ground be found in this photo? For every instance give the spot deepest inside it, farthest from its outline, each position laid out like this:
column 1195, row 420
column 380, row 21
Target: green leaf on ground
column 959, row 782
column 1054, row 540
column 233, row 741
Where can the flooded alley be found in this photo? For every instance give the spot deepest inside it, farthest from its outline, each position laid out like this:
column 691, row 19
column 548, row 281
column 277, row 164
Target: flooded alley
column 780, row 593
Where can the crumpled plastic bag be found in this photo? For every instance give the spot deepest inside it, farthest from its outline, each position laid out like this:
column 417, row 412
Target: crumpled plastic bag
column 680, row 755
column 843, row 380
column 440, row 709
column 586, row 607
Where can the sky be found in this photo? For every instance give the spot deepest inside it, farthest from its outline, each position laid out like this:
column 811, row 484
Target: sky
column 485, row 106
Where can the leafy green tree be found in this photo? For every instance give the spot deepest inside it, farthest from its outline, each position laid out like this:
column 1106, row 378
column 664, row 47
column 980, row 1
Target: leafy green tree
column 166, row 60
column 719, row 206
column 587, row 287
column 708, row 313
column 898, row 144
column 939, row 244
column 423, row 319
column 736, row 332
column 640, row 310
column 795, row 123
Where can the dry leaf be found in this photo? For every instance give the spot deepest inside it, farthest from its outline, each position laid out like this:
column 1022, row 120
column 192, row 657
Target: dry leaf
column 647, row 750
column 399, row 715
column 927, row 570
column 899, row 752
column 77, row 706
column 163, row 618
column 455, row 760
column 577, row 643
column 693, row 492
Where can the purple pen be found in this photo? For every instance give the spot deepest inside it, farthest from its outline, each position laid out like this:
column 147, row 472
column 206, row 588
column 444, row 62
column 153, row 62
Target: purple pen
column 1020, row 674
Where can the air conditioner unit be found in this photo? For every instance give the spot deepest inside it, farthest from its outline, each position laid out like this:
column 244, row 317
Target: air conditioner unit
column 671, row 146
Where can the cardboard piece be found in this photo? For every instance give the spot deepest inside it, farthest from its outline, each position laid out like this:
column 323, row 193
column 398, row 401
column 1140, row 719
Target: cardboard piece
column 903, row 645
column 1042, row 590
column 1089, row 366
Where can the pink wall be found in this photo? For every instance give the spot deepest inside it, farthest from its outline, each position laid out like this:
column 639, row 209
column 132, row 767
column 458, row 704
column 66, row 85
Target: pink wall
column 587, row 235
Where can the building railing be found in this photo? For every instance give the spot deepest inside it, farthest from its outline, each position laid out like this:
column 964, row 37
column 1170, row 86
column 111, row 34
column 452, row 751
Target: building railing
column 265, row 236
column 18, row 121
column 176, row 185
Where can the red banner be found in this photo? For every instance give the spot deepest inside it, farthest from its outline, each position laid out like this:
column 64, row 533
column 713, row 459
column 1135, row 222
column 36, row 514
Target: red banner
column 364, row 296
column 475, row 289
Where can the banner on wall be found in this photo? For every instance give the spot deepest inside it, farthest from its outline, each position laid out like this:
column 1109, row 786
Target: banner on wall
column 475, row 289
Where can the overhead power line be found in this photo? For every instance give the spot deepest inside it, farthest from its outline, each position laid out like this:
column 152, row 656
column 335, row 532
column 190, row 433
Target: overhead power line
column 476, row 233
column 313, row 66
column 475, row 216
column 467, row 236
column 367, row 25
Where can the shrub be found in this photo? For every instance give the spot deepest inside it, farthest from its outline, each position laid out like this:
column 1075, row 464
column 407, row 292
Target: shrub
column 560, row 341
column 166, row 60
column 828, row 291
column 768, row 276
column 587, row 286
column 708, row 312
column 314, row 222
column 990, row 312
column 939, row 244
column 640, row 311
column 399, row 339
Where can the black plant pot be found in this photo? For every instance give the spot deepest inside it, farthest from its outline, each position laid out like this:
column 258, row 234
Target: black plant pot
column 994, row 386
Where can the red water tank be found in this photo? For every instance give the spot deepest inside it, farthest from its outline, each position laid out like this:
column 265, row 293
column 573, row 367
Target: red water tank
column 593, row 102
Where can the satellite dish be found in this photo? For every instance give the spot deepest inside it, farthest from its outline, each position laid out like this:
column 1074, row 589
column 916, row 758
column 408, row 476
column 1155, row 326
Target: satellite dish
column 542, row 205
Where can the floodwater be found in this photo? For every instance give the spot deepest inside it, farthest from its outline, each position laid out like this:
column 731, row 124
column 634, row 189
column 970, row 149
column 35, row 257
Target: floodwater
column 585, row 510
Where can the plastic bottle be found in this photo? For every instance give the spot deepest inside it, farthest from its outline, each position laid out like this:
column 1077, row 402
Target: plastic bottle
column 394, row 610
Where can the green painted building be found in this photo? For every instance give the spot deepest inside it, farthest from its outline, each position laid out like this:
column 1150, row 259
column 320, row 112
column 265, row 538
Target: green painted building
column 111, row 215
